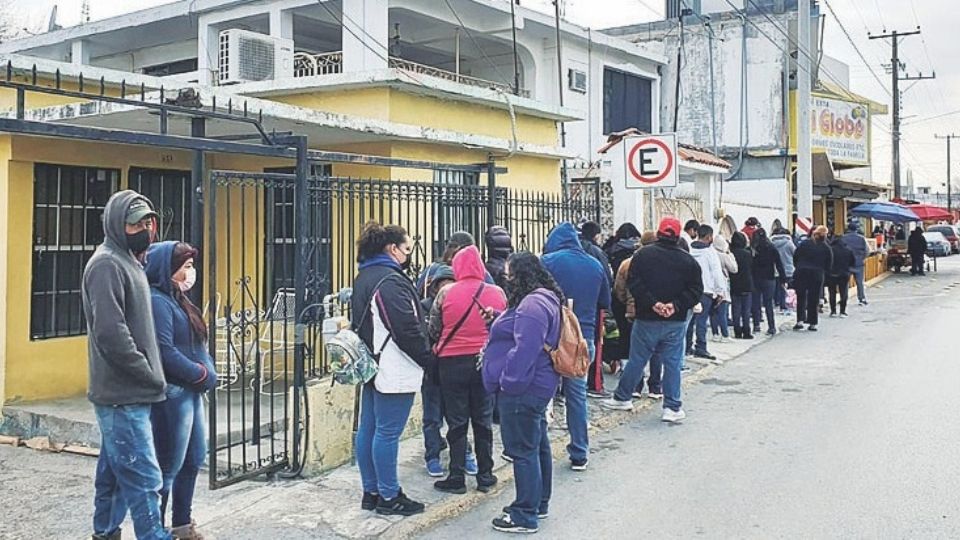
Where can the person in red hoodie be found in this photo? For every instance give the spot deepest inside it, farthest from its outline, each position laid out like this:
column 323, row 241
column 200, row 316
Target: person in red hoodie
column 750, row 227
column 458, row 328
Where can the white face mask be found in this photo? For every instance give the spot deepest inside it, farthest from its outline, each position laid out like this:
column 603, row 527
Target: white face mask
column 189, row 280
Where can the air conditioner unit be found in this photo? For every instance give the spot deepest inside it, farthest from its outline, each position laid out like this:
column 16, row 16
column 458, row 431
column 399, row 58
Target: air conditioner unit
column 249, row 56
column 578, row 80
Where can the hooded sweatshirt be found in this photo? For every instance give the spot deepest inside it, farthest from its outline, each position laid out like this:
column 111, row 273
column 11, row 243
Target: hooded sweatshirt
column 711, row 271
column 499, row 248
column 786, row 248
column 123, row 358
column 462, row 300
column 580, row 276
column 857, row 245
column 727, row 262
column 185, row 359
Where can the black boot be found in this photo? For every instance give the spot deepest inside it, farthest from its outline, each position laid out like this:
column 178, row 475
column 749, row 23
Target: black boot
column 486, row 481
column 747, row 334
column 737, row 332
column 451, row 485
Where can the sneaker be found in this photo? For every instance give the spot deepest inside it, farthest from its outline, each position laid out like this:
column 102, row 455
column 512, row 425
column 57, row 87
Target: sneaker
column 864, row 303
column 798, row 327
column 705, row 355
column 485, row 482
column 615, row 404
column 506, row 458
column 655, row 394
column 541, row 514
column 369, row 501
column 470, row 465
column 717, row 362
column 505, row 524
column 434, row 468
column 772, row 332
column 637, row 394
column 812, row 328
column 843, row 315
column 757, row 329
column 672, row 416
column 724, row 339
column 833, row 314
column 598, row 394
column 579, row 464
column 401, row 505
column 715, row 338
column 451, row 485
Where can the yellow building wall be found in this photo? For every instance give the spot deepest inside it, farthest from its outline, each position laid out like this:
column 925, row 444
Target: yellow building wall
column 364, row 102
column 5, row 152
column 37, row 100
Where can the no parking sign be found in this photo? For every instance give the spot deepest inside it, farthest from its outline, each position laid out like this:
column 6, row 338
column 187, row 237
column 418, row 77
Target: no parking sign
column 651, row 161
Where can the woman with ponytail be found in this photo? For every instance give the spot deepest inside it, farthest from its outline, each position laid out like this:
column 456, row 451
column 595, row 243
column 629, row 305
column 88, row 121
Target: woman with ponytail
column 179, row 422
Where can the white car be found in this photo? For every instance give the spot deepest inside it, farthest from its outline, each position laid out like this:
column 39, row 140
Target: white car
column 937, row 244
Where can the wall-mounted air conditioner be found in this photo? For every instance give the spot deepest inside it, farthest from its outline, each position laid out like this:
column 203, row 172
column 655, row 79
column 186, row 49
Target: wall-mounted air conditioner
column 249, row 56
column 578, row 80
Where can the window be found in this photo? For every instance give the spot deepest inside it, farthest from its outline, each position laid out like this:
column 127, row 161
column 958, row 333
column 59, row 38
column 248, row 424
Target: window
column 167, row 190
column 171, row 68
column 627, row 102
column 68, row 204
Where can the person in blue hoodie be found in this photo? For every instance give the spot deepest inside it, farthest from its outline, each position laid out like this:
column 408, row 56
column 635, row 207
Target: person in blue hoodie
column 179, row 422
column 584, row 281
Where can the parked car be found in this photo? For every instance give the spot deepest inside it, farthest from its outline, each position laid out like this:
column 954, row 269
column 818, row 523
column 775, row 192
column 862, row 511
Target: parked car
column 952, row 234
column 937, row 244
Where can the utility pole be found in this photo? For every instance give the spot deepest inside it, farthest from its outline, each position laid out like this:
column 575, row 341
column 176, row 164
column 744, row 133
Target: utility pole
column 563, row 126
column 804, row 87
column 949, row 192
column 516, row 58
column 896, row 66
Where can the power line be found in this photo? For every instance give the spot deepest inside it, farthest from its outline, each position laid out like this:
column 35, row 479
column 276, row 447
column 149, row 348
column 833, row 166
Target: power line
column 476, row 44
column 880, row 15
column 856, row 48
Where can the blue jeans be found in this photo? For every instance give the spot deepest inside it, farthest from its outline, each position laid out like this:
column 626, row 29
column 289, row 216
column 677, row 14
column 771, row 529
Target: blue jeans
column 432, row 420
column 382, row 419
column 128, row 475
column 742, row 306
column 720, row 319
column 575, row 397
column 861, row 288
column 763, row 291
column 523, row 429
column 661, row 339
column 702, row 319
column 180, row 439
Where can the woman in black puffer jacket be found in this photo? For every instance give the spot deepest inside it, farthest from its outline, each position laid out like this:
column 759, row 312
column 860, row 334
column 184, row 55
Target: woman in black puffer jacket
column 499, row 247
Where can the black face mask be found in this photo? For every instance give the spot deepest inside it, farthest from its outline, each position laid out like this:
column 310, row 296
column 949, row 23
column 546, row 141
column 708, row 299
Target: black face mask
column 139, row 242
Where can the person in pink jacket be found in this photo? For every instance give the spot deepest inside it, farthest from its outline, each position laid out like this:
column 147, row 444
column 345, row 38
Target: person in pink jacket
column 458, row 328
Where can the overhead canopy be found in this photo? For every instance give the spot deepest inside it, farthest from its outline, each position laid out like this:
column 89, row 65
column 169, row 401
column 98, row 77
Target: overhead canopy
column 826, row 183
column 885, row 211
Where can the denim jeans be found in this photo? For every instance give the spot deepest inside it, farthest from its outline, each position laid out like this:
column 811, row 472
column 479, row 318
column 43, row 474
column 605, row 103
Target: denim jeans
column 432, row 420
column 720, row 319
column 649, row 339
column 382, row 419
column 763, row 292
column 180, row 439
column 575, row 397
column 466, row 403
column 523, row 428
column 742, row 306
column 861, row 288
column 128, row 475
column 702, row 319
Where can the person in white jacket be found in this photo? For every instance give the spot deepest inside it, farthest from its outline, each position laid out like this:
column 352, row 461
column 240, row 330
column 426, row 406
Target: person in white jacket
column 714, row 286
column 720, row 317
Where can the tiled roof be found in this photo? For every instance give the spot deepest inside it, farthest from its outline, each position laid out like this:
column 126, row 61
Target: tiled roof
column 688, row 152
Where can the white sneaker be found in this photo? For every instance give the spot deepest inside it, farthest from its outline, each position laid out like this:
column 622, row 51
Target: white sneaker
column 717, row 362
column 724, row 340
column 614, row 404
column 655, row 396
column 672, row 416
column 716, row 339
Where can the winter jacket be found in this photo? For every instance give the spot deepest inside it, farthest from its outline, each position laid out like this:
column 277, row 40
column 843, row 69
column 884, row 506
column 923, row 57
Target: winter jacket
column 429, row 273
column 857, row 245
column 462, row 298
column 598, row 254
column 580, row 276
column 766, row 263
column 785, row 247
column 124, row 361
column 514, row 361
column 390, row 325
column 622, row 293
column 727, row 261
column 186, row 361
column 663, row 272
column 843, row 258
column 621, row 251
column 742, row 282
column 711, row 270
column 917, row 244
column 499, row 248
column 813, row 255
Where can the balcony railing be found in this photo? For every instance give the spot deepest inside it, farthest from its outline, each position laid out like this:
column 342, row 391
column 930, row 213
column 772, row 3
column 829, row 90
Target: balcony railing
column 309, row 64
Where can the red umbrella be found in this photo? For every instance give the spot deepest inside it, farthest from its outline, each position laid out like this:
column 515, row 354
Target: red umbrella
column 929, row 212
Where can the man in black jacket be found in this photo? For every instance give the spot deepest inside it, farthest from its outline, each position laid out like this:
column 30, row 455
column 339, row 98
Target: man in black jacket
column 665, row 282
column 917, row 248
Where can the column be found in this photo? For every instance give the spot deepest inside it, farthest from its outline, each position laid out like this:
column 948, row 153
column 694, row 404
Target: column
column 705, row 185
column 80, row 52
column 365, row 35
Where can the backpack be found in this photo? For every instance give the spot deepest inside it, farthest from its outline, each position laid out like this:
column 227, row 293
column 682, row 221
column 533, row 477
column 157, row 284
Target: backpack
column 351, row 361
column 570, row 357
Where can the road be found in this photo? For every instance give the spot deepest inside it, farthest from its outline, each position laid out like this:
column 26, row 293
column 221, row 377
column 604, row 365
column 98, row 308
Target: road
column 848, row 433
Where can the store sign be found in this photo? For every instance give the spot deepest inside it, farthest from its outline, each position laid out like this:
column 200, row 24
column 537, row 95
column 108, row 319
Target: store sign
column 842, row 129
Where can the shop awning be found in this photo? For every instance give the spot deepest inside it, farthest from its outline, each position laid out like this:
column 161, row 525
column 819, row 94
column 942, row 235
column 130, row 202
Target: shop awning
column 826, row 183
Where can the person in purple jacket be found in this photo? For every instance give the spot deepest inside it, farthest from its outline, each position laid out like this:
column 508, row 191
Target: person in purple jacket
column 519, row 371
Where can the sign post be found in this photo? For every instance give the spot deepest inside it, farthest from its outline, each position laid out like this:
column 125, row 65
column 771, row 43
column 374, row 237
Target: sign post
column 651, row 161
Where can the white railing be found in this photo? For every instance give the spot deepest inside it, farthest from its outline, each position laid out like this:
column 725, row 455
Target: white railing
column 307, row 64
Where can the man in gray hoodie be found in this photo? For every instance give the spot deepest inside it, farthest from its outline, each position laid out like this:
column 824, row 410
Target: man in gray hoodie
column 126, row 375
column 783, row 241
column 857, row 243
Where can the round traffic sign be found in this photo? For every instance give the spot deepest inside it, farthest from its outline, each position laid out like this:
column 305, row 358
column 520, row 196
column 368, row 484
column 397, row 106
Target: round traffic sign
column 664, row 159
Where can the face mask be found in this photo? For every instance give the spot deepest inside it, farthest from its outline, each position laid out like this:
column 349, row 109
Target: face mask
column 405, row 265
column 139, row 242
column 189, row 280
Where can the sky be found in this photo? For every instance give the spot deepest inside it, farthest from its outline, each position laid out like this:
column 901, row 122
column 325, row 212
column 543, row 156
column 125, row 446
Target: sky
column 929, row 107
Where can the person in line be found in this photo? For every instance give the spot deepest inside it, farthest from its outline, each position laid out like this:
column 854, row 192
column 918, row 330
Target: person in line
column 767, row 265
column 813, row 261
column 690, row 229
column 125, row 369
column 499, row 248
column 179, row 422
column 455, row 243
column 517, row 368
column 430, row 395
column 460, row 332
column 720, row 316
column 590, row 234
column 917, row 248
column 385, row 311
column 838, row 282
column 741, row 286
column 711, row 271
column 857, row 244
column 583, row 280
column 783, row 241
column 622, row 297
column 749, row 227
column 665, row 282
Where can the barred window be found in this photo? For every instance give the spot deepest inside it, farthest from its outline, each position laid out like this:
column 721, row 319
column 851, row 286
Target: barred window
column 169, row 192
column 68, row 204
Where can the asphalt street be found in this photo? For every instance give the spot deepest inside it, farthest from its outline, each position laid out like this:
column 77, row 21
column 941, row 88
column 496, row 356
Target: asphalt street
column 850, row 432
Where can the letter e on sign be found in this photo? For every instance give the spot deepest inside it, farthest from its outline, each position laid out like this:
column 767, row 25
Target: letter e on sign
column 651, row 161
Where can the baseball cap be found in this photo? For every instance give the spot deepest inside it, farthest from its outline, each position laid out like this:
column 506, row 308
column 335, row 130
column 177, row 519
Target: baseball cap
column 669, row 227
column 461, row 239
column 138, row 210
